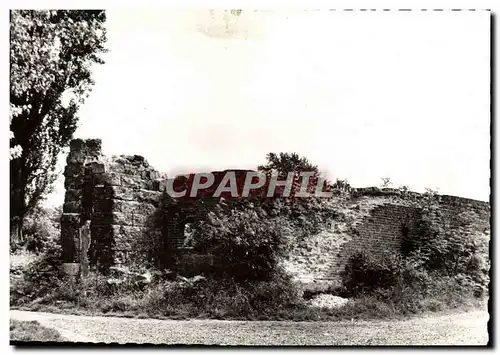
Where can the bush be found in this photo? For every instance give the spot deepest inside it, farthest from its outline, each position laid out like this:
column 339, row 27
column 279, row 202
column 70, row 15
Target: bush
column 406, row 285
column 364, row 275
column 40, row 230
column 461, row 252
column 247, row 243
column 438, row 268
column 248, row 301
column 179, row 298
column 39, row 278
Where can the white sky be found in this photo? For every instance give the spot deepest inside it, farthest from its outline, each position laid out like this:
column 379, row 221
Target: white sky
column 364, row 95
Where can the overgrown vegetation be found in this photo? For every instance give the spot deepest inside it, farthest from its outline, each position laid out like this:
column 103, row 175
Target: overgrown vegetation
column 41, row 230
column 51, row 56
column 436, row 269
column 249, row 242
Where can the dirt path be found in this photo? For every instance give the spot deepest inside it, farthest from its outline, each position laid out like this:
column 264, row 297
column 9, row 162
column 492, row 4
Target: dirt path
column 453, row 329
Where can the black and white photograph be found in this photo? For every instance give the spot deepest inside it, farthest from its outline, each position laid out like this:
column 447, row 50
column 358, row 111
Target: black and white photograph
column 250, row 177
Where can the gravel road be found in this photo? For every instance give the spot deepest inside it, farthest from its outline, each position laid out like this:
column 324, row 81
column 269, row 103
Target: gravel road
column 450, row 329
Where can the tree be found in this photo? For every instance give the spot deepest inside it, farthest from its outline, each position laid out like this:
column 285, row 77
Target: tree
column 386, row 182
column 51, row 53
column 283, row 163
column 287, row 162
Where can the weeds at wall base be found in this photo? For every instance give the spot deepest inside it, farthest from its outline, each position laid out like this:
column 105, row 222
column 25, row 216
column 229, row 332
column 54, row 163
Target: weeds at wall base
column 151, row 304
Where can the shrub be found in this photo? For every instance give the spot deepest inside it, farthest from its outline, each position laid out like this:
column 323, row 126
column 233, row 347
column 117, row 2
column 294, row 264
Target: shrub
column 451, row 252
column 248, row 301
column 407, row 286
column 40, row 230
column 222, row 298
column 363, row 274
column 341, row 186
column 39, row 278
column 247, row 243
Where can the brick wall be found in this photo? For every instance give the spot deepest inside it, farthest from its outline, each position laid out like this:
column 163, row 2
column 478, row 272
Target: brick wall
column 374, row 221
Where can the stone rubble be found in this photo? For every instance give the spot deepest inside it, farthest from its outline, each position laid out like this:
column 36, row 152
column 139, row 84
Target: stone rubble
column 328, row 301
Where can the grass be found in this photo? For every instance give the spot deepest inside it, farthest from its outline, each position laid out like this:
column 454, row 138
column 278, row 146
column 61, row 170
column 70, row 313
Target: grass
column 277, row 299
column 154, row 303
column 32, row 331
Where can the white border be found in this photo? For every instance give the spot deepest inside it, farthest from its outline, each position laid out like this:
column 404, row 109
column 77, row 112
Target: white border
column 268, row 4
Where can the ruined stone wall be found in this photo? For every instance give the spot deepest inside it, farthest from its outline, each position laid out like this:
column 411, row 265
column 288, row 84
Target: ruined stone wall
column 120, row 198
column 374, row 221
column 82, row 154
column 122, row 201
column 117, row 194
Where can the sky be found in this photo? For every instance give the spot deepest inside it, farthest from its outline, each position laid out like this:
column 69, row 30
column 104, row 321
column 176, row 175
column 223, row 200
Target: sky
column 364, row 95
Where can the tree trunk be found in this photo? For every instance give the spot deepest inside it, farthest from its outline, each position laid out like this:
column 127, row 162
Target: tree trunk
column 16, row 230
column 17, row 198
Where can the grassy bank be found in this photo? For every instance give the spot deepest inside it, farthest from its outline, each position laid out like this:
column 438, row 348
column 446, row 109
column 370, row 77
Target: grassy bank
column 278, row 299
column 32, row 331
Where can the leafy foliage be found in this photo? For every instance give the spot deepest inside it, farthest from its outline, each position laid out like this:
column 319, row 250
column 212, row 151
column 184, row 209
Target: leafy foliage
column 364, row 275
column 245, row 239
column 342, row 186
column 250, row 236
column 386, row 182
column 40, row 230
column 39, row 278
column 284, row 163
column 452, row 251
column 441, row 263
column 51, row 55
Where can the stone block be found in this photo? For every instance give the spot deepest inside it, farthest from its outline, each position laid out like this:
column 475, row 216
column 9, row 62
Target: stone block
column 123, row 193
column 76, row 157
column 139, row 220
column 103, row 192
column 154, row 185
column 73, row 170
column 102, row 205
column 130, row 207
column 150, row 175
column 146, row 209
column 125, row 206
column 162, row 185
column 73, row 183
column 123, row 165
column 118, row 218
column 93, row 146
column 131, row 181
column 72, row 195
column 96, row 167
column 107, row 178
column 70, row 219
column 125, row 236
column 148, row 196
column 101, row 234
column 76, row 144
